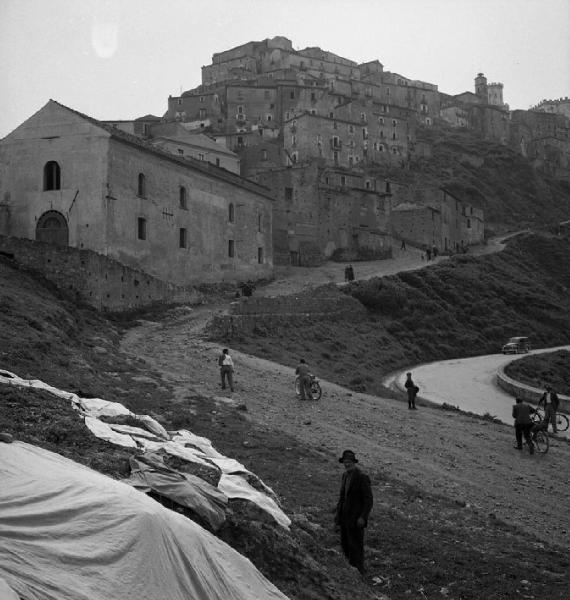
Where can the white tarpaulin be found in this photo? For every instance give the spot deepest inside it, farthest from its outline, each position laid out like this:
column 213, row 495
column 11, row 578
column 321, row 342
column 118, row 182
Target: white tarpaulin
column 70, row 533
column 183, row 444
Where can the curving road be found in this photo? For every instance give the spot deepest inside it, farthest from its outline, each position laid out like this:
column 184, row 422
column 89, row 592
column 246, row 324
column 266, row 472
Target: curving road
column 468, row 383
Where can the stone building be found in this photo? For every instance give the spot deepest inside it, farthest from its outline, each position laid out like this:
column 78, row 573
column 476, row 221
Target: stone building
column 560, row 106
column 544, row 138
column 277, row 107
column 322, row 210
column 441, row 220
column 483, row 110
column 70, row 180
column 177, row 139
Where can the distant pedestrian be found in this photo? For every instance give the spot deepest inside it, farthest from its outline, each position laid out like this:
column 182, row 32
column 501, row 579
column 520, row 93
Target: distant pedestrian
column 412, row 390
column 352, row 510
column 403, row 245
column 350, row 273
column 523, row 424
column 226, row 369
column 428, row 253
column 304, row 374
column 550, row 402
column 434, row 251
column 346, row 273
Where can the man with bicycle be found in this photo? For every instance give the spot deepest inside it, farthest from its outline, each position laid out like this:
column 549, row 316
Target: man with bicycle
column 550, row 402
column 523, row 424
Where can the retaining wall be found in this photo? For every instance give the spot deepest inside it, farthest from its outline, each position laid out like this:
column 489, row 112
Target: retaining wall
column 267, row 316
column 526, row 392
column 95, row 279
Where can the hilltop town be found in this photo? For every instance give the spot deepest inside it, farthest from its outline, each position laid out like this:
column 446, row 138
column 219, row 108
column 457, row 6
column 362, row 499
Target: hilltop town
column 279, row 157
column 279, row 169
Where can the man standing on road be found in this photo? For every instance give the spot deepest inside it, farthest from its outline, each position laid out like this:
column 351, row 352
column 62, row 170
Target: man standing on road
column 412, row 390
column 550, row 402
column 226, row 369
column 523, row 424
column 304, row 374
column 352, row 510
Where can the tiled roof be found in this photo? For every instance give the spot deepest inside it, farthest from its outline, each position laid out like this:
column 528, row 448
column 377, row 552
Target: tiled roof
column 191, row 163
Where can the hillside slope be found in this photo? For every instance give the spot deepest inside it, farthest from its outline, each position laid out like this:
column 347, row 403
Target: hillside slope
column 460, row 307
column 512, row 193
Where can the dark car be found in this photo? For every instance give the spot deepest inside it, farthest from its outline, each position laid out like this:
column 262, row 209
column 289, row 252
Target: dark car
column 517, row 345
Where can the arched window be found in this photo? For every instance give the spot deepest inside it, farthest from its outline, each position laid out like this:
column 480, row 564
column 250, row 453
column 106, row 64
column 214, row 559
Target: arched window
column 142, row 186
column 231, row 213
column 183, row 198
column 52, row 176
column 52, row 229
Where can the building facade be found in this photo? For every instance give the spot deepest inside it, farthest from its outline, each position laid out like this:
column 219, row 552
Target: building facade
column 74, row 181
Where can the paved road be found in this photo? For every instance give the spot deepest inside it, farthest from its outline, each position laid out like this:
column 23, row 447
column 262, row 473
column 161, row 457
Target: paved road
column 468, row 383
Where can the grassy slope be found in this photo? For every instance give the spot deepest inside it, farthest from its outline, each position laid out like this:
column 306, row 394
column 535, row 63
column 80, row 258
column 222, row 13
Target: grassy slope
column 538, row 370
column 461, row 307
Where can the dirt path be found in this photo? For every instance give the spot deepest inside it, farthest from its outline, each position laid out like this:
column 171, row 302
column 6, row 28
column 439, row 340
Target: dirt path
column 463, row 458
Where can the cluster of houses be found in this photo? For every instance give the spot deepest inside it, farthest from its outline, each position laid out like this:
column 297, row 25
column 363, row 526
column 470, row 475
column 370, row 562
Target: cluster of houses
column 278, row 157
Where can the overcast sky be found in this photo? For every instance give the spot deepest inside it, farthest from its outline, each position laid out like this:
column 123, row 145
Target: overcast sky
column 121, row 59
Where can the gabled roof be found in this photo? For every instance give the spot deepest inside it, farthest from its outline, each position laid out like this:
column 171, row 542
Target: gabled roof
column 149, row 118
column 188, row 162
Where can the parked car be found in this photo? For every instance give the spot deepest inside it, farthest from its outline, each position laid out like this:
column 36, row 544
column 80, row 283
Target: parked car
column 516, row 345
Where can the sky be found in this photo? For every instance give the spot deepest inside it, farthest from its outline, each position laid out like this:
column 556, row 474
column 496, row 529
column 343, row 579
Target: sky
column 121, row 59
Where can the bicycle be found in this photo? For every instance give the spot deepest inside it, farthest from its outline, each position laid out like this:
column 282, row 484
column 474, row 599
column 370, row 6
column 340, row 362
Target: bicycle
column 539, row 433
column 316, row 391
column 562, row 421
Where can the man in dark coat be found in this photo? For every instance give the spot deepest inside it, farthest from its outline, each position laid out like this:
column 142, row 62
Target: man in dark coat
column 523, row 424
column 550, row 402
column 412, row 390
column 354, row 506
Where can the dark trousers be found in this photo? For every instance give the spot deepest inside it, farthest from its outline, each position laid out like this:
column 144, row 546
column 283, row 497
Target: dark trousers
column 227, row 372
column 411, row 398
column 523, row 429
column 352, row 543
column 305, row 387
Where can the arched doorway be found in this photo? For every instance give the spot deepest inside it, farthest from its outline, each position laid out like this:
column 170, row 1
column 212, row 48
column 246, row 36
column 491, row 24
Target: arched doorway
column 52, row 228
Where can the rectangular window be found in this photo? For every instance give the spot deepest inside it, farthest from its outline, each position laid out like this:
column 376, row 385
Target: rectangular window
column 231, row 248
column 200, row 156
column 183, row 240
column 141, row 228
column 342, row 180
column 217, row 162
column 288, row 193
column 292, row 95
column 260, row 255
column 202, row 113
column 180, row 151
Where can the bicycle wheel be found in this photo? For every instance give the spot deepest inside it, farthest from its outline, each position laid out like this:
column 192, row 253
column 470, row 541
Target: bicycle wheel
column 316, row 391
column 541, row 442
column 561, row 422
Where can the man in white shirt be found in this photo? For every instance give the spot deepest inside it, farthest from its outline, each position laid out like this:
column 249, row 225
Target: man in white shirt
column 226, row 369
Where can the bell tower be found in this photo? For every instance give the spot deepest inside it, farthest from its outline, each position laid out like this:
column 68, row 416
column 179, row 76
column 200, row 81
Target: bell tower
column 481, row 86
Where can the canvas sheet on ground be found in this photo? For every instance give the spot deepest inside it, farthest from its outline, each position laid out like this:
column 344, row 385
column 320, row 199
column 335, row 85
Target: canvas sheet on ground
column 70, row 533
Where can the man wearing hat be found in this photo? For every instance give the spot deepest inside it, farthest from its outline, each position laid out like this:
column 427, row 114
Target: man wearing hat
column 354, row 506
column 550, row 402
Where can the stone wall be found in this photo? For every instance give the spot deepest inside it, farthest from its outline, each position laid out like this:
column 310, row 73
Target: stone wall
column 97, row 280
column 526, row 392
column 267, row 316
